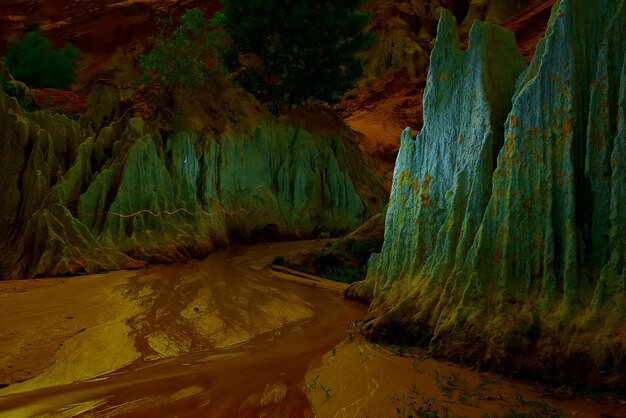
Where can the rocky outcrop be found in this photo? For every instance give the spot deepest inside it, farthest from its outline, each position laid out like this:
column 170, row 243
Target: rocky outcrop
column 504, row 242
column 114, row 191
column 406, row 30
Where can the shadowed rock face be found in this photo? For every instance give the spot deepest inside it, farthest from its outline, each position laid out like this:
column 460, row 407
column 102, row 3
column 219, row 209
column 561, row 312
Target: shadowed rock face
column 515, row 262
column 112, row 191
column 406, row 29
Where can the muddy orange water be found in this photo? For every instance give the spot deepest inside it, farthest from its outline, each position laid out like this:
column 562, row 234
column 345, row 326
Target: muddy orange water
column 213, row 338
column 226, row 336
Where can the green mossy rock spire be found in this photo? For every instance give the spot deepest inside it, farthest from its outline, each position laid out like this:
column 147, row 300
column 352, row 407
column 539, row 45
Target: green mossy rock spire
column 97, row 195
column 516, row 263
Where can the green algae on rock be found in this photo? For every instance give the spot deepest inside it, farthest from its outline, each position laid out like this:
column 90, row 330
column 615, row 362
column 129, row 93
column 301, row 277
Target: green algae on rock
column 515, row 263
column 115, row 191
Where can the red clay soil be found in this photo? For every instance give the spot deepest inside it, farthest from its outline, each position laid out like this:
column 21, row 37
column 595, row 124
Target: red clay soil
column 96, row 28
column 530, row 25
column 61, row 100
column 382, row 108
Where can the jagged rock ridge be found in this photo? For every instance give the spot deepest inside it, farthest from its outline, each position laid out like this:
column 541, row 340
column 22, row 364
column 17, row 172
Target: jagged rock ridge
column 516, row 263
column 113, row 192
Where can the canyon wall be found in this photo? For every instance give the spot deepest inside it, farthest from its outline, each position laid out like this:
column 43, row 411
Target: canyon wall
column 505, row 237
column 114, row 191
column 406, row 29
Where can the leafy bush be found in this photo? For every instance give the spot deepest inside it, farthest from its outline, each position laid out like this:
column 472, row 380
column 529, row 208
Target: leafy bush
column 179, row 57
column 288, row 53
column 34, row 61
column 279, row 260
column 361, row 249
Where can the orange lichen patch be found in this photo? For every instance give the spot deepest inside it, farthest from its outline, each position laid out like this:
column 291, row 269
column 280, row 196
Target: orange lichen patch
column 566, row 131
column 509, row 146
column 532, row 132
column 426, row 190
column 561, row 178
column 407, row 179
column 461, row 138
column 514, row 121
column 564, row 88
column 604, row 105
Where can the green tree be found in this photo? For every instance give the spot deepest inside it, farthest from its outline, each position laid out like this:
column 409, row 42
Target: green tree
column 179, row 57
column 34, row 61
column 288, row 53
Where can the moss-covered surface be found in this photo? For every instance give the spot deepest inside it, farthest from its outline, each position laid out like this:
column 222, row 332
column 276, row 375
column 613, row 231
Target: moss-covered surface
column 117, row 189
column 342, row 260
column 504, row 240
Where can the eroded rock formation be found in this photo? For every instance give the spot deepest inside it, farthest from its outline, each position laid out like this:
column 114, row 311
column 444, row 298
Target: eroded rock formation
column 113, row 191
column 504, row 242
column 406, row 29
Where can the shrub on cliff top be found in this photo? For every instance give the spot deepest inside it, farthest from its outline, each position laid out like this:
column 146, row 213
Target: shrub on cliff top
column 179, row 57
column 288, row 53
column 34, row 61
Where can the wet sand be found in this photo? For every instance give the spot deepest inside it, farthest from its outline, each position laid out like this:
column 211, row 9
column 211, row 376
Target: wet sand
column 220, row 337
column 227, row 336
column 361, row 379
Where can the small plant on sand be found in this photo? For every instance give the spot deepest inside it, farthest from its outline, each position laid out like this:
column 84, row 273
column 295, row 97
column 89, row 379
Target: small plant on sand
column 313, row 384
column 531, row 408
column 540, row 408
column 279, row 260
column 411, row 407
column 430, row 410
column 326, row 390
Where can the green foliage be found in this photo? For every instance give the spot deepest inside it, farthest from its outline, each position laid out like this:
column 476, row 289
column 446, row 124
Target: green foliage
column 34, row 61
column 428, row 410
column 288, row 53
column 179, row 57
column 279, row 260
column 344, row 274
column 361, row 249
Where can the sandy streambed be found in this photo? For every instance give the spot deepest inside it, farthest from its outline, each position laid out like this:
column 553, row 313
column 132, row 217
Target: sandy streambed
column 362, row 379
column 220, row 336
column 228, row 336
